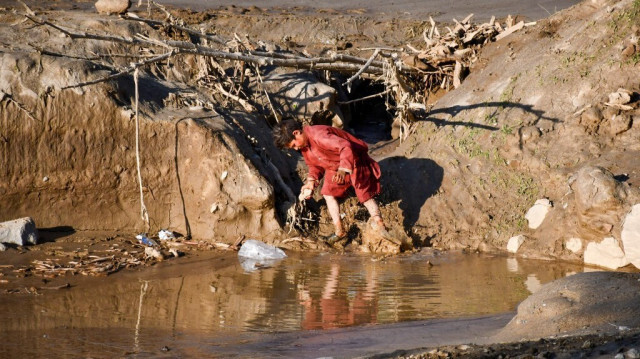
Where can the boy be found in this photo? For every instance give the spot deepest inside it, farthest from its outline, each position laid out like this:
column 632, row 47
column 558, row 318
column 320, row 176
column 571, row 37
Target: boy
column 344, row 162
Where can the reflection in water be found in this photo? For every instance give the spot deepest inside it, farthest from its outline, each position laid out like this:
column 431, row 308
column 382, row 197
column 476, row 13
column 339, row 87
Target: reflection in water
column 216, row 301
column 532, row 283
column 335, row 308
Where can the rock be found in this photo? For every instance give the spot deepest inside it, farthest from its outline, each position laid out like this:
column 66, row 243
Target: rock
column 21, row 231
column 574, row 244
column 112, row 6
column 303, row 96
column 599, row 200
column 536, row 214
column 631, row 236
column 620, row 97
column 629, row 51
column 389, row 241
column 632, row 353
column 2, row 247
column 619, row 124
column 568, row 305
column 529, row 134
column 590, row 119
column 514, row 243
column 607, row 254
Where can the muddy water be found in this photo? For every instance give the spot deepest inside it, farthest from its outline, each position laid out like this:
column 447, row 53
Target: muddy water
column 210, row 306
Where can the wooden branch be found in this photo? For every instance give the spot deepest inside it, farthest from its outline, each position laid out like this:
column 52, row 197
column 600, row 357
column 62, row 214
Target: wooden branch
column 315, row 63
column 365, row 98
column 4, row 95
column 244, row 103
column 27, row 8
column 366, row 65
column 510, row 30
column 130, row 69
column 301, row 62
column 215, row 39
column 83, row 35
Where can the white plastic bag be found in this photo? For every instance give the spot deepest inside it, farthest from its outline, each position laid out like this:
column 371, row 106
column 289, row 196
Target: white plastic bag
column 258, row 250
column 254, row 255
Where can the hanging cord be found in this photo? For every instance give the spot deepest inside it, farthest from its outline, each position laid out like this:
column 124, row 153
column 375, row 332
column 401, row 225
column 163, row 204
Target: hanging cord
column 143, row 209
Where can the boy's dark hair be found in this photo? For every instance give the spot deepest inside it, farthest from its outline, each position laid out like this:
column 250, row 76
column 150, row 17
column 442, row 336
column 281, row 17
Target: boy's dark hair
column 283, row 132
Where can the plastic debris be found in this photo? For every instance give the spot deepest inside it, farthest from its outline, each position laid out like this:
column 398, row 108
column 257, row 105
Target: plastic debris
column 254, row 255
column 164, row 235
column 255, row 249
column 146, row 241
column 153, row 253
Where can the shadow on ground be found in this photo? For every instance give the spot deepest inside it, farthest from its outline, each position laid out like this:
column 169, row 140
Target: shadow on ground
column 411, row 181
column 53, row 233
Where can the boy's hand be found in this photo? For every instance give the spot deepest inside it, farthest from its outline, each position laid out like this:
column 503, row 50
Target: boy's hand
column 306, row 191
column 339, row 177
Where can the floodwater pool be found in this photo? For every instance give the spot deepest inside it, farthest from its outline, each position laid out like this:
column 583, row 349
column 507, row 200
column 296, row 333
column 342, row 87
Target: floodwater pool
column 307, row 305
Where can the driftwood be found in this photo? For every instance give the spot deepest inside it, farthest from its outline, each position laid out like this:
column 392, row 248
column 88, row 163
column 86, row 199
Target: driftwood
column 407, row 74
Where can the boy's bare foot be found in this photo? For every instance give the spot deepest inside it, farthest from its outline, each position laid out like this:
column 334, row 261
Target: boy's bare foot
column 378, row 224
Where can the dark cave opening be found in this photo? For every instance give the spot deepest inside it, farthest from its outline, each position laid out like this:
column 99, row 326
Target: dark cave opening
column 368, row 119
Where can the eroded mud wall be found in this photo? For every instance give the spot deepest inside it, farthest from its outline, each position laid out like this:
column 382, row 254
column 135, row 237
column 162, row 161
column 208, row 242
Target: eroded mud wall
column 67, row 158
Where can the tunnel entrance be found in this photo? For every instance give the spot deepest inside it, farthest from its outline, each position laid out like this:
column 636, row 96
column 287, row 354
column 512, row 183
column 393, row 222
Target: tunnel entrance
column 369, row 119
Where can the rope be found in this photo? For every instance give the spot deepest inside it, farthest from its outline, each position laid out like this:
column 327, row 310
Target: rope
column 143, row 209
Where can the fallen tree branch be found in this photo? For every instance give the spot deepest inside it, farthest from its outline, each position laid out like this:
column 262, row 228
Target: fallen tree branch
column 177, row 27
column 4, row 95
column 128, row 70
column 83, row 35
column 365, row 98
column 366, row 65
column 244, row 103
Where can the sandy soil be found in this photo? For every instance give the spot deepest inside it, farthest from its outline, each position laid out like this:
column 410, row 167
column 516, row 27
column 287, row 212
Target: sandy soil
column 440, row 10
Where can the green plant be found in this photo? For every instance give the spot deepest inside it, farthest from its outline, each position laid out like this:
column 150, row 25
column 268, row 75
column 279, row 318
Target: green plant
column 506, row 129
column 491, row 118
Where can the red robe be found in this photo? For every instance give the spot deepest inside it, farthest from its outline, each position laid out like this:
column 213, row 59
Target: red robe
column 331, row 149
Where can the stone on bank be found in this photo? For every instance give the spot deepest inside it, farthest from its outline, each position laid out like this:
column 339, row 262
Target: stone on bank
column 20, row 231
column 573, row 244
column 631, row 236
column 607, row 254
column 112, row 6
column 514, row 243
column 537, row 213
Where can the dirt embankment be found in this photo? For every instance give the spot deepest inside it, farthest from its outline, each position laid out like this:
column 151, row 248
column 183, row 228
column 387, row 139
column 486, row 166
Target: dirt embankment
column 69, row 156
column 529, row 116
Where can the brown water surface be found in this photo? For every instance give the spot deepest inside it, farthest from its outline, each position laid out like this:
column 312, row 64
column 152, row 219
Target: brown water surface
column 210, row 306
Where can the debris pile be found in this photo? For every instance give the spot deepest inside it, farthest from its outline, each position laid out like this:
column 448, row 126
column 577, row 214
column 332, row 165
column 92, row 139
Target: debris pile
column 409, row 75
column 448, row 56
